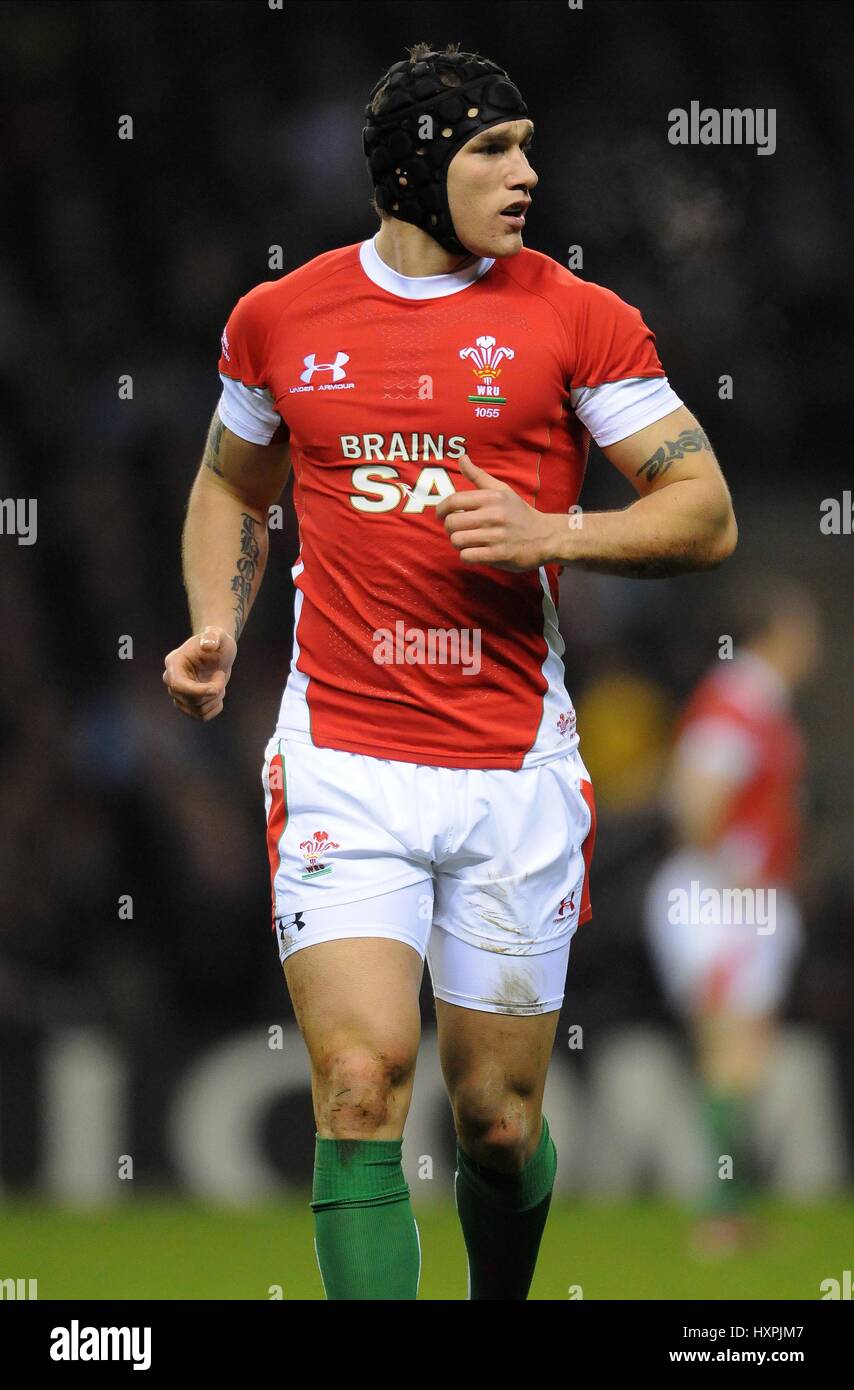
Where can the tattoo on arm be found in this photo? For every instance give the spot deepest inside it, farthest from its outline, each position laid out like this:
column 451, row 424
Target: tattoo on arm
column 688, row 442
column 247, row 568
column 211, row 454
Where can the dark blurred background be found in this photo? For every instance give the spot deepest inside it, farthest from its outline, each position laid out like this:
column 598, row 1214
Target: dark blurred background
column 124, row 257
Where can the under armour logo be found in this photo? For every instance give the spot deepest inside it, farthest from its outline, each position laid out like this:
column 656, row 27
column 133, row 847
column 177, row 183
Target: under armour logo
column 287, row 922
column 567, row 903
column 336, row 367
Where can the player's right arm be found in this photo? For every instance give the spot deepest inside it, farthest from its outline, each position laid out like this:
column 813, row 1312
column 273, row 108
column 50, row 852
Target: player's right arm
column 712, row 761
column 224, row 551
column 698, row 804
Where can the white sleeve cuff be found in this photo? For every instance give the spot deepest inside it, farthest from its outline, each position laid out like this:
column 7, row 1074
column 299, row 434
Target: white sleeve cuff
column 619, row 408
column 248, row 411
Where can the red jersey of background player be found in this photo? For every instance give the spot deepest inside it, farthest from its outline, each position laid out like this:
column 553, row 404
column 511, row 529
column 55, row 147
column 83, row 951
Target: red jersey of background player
column 381, row 381
column 737, row 724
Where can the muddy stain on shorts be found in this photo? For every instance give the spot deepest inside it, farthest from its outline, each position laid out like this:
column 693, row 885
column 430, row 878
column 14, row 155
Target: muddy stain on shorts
column 516, row 993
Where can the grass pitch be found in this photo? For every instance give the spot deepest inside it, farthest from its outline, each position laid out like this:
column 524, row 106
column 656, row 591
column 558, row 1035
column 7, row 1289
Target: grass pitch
column 167, row 1249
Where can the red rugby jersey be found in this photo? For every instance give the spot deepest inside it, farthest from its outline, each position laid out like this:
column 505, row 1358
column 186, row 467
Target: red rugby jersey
column 738, row 724
column 381, row 381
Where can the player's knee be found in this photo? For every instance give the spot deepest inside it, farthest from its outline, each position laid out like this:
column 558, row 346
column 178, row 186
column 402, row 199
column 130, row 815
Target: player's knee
column 496, row 1131
column 359, row 1088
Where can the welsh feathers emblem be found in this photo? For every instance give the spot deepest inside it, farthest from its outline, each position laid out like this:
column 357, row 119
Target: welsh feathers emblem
column 485, row 358
column 313, row 851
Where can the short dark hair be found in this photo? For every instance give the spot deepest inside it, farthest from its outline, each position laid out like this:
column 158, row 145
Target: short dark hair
column 417, row 53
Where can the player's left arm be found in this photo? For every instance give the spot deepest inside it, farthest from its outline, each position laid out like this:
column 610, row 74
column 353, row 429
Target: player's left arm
column 682, row 519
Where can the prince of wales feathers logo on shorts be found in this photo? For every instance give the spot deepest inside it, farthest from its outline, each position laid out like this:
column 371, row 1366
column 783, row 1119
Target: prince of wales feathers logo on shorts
column 313, row 850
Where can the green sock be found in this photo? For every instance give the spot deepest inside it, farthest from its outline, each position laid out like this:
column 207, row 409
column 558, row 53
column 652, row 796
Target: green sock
column 725, row 1115
column 366, row 1240
column 503, row 1216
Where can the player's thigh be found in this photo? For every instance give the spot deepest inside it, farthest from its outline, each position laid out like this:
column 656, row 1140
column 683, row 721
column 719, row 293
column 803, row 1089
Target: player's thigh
column 496, row 1018
column 357, row 991
column 488, row 1057
column 352, row 902
column 356, row 1002
column 733, row 1049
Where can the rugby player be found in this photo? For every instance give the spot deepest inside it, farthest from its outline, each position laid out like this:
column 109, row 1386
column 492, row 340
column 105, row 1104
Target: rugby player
column 434, row 388
column 722, row 916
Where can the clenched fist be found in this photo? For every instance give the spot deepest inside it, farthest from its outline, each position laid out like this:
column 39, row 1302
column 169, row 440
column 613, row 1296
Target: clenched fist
column 197, row 673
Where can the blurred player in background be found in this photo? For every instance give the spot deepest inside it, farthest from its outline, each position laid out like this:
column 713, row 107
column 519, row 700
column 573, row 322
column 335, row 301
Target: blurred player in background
column 722, row 917
column 435, row 388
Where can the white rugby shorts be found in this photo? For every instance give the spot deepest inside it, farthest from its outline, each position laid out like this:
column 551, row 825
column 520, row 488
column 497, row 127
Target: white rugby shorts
column 718, row 947
column 484, row 872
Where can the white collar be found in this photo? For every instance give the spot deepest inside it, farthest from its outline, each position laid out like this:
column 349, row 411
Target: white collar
column 419, row 286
